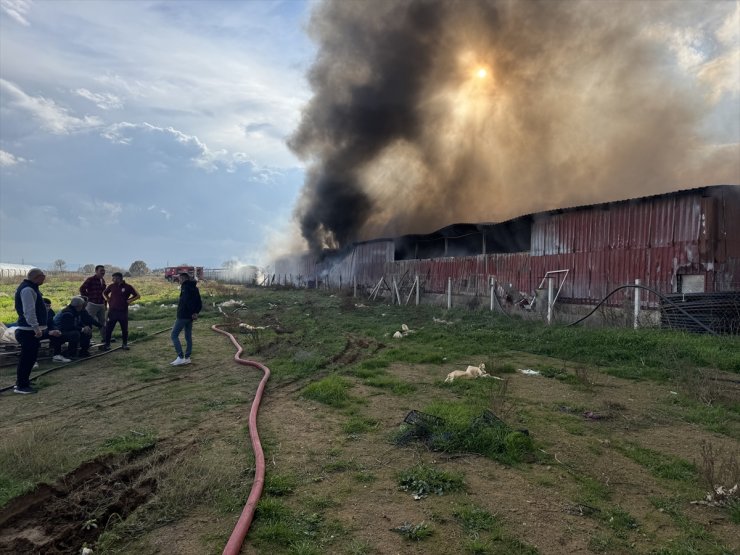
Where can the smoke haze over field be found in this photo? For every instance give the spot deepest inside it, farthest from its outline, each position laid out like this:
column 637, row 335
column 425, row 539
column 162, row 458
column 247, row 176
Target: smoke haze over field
column 429, row 112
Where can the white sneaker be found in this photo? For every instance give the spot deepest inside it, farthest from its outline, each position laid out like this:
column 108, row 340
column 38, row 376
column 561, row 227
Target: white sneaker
column 60, row 358
column 186, row 360
column 35, row 366
column 179, row 361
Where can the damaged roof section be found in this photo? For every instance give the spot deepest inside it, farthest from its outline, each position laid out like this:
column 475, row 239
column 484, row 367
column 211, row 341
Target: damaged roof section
column 467, row 240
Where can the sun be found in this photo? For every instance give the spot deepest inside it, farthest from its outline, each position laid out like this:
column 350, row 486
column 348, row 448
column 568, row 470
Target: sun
column 481, row 73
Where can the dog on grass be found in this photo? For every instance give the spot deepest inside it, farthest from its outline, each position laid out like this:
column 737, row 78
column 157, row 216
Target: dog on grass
column 470, row 373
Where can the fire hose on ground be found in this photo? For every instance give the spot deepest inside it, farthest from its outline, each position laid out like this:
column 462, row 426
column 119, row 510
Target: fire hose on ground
column 234, row 545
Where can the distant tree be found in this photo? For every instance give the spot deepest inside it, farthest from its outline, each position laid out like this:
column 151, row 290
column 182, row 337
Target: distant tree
column 87, row 269
column 138, row 268
column 59, row 265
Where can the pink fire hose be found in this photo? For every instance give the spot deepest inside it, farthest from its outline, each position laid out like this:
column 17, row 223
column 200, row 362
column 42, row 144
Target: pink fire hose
column 234, row 545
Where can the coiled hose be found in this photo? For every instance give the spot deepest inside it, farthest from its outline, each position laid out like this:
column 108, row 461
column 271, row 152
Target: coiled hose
column 234, row 545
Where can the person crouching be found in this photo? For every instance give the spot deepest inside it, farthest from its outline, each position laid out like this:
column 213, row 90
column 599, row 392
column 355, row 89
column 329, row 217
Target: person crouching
column 75, row 326
column 119, row 295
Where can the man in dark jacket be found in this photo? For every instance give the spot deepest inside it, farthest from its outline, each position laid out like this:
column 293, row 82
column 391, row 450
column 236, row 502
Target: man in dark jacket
column 187, row 310
column 75, row 325
column 31, row 310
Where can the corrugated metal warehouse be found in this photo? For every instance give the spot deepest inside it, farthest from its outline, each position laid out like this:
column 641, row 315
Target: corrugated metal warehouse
column 686, row 241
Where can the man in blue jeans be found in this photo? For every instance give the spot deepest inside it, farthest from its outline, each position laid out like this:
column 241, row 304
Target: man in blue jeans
column 187, row 310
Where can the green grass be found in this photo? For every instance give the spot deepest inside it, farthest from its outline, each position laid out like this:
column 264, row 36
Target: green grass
column 659, row 464
column 30, row 457
column 358, row 425
column 620, row 520
column 414, row 532
column 474, row 519
column 277, row 526
column 391, row 383
column 423, row 480
column 693, row 537
column 278, row 485
column 332, row 391
column 131, row 441
column 464, row 431
column 486, row 533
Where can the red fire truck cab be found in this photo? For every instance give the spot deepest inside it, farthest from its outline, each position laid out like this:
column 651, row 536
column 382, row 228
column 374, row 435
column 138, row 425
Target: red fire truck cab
column 172, row 273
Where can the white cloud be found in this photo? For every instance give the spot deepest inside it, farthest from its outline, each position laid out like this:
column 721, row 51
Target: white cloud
column 17, row 9
column 170, row 143
column 104, row 101
column 7, row 159
column 100, row 211
column 50, row 115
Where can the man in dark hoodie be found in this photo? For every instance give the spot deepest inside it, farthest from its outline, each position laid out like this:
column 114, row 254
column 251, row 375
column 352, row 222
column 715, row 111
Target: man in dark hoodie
column 32, row 314
column 75, row 325
column 187, row 310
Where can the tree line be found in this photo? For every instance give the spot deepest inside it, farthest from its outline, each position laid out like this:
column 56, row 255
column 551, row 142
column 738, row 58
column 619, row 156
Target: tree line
column 137, row 268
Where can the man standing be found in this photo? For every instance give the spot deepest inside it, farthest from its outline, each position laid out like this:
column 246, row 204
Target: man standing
column 92, row 289
column 187, row 310
column 119, row 295
column 29, row 304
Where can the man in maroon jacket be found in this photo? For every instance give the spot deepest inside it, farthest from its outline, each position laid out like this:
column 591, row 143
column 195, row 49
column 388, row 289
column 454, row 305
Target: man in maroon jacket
column 119, row 295
column 92, row 289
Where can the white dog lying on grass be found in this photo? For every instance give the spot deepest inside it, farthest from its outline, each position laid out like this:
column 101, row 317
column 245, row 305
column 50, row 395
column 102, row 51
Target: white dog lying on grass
column 470, row 373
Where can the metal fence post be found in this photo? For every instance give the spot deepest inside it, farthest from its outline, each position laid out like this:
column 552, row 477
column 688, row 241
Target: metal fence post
column 449, row 293
column 417, row 289
column 549, row 300
column 635, row 324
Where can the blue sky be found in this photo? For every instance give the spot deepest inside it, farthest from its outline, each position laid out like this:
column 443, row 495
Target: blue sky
column 156, row 130
column 148, row 130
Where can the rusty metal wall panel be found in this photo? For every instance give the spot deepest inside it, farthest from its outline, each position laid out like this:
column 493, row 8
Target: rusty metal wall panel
column 728, row 223
column 688, row 219
column 537, row 243
column 369, row 261
column 639, row 225
column 661, row 230
column 552, row 236
column 618, row 226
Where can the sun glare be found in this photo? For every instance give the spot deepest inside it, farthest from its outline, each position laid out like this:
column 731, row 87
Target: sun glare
column 481, row 73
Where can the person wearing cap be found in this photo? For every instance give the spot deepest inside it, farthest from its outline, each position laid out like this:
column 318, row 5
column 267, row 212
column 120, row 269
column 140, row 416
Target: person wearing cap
column 119, row 295
column 188, row 308
column 32, row 314
column 76, row 325
column 92, row 289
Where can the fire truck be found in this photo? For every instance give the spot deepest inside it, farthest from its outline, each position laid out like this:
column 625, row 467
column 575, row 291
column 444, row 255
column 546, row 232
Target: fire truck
column 172, row 273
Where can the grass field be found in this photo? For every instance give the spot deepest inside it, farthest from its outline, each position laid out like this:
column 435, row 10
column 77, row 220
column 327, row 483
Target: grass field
column 603, row 452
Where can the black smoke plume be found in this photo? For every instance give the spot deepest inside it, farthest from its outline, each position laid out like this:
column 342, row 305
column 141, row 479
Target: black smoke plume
column 429, row 112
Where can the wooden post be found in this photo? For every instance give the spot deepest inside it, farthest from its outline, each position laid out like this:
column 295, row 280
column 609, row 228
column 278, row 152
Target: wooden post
column 354, row 286
column 549, row 299
column 449, row 291
column 417, row 289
